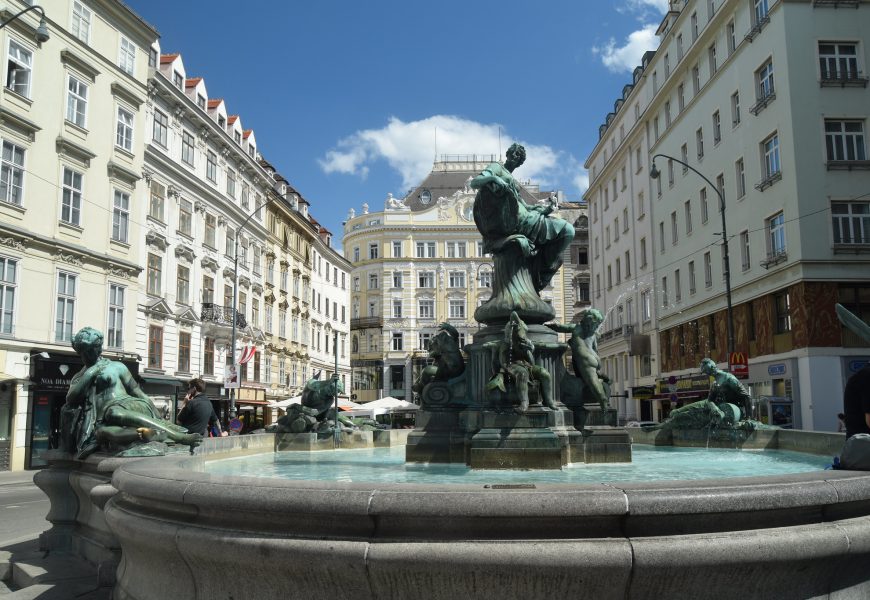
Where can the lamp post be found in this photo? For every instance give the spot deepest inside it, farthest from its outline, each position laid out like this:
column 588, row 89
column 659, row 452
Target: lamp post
column 655, row 173
column 41, row 31
column 236, row 300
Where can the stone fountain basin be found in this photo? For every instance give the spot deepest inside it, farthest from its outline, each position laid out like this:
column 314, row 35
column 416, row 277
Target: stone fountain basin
column 189, row 534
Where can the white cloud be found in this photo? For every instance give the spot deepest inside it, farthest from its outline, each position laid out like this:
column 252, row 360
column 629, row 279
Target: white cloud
column 635, row 5
column 581, row 180
column 409, row 149
column 627, row 57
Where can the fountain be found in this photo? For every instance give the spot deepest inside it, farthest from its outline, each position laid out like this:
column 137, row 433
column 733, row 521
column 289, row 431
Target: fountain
column 193, row 526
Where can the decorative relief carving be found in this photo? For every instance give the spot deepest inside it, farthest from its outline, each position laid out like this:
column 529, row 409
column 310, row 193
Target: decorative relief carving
column 156, row 239
column 120, row 272
column 173, row 191
column 245, row 281
column 228, row 273
column 209, row 263
column 199, row 206
column 12, row 243
column 184, row 251
column 147, row 175
column 71, row 259
column 222, row 220
column 257, row 288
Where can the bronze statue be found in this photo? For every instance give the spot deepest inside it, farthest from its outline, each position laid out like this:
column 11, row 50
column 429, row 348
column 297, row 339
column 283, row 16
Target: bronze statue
column 444, row 350
column 502, row 216
column 514, row 357
column 726, row 388
column 106, row 408
column 584, row 356
column 316, row 413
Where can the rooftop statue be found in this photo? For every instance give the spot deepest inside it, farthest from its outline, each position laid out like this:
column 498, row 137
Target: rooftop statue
column 105, row 408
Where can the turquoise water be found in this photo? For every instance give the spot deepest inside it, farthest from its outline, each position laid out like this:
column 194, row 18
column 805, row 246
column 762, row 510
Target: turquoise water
column 387, row 465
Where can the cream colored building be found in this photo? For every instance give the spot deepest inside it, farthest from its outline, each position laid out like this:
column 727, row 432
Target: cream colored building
column 417, row 263
column 73, row 131
column 768, row 99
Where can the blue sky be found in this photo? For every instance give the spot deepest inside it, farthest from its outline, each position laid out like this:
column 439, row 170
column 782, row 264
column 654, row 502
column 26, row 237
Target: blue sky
column 346, row 97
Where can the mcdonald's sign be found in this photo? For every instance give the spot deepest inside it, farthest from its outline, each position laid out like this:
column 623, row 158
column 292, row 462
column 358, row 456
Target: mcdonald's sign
column 739, row 364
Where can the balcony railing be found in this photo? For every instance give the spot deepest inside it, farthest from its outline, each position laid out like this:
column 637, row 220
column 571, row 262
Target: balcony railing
column 768, row 181
column 843, row 79
column 221, row 315
column 762, row 102
column 848, row 165
column 773, row 258
column 367, row 322
column 756, row 29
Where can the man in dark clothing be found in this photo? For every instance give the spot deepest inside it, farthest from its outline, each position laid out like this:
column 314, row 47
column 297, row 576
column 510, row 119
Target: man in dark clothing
column 198, row 414
column 856, row 403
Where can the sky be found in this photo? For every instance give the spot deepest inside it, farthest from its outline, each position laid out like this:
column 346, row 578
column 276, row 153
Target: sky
column 352, row 101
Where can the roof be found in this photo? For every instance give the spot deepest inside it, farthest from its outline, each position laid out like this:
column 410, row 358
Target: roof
column 446, row 183
column 232, row 119
column 192, row 81
column 247, row 133
column 168, row 58
column 215, row 102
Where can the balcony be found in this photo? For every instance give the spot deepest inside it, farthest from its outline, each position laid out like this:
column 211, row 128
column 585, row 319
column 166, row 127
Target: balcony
column 621, row 332
column 762, row 102
column 848, row 165
column 221, row 316
column 773, row 258
column 768, row 181
column 843, row 79
column 756, row 29
column 367, row 323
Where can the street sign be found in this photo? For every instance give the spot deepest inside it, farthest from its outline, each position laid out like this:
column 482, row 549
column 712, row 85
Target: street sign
column 739, row 362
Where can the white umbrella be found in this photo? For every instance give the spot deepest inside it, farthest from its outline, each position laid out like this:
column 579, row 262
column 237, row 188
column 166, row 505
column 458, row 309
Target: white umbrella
column 390, row 402
column 283, row 404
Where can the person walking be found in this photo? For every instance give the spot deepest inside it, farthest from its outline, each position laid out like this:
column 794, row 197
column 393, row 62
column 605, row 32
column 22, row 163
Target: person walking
column 197, row 414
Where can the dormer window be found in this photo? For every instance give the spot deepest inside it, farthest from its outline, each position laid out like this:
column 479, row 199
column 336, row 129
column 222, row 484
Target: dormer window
column 426, row 197
column 178, row 80
column 200, row 101
column 238, row 137
column 222, row 121
column 252, row 151
column 152, row 57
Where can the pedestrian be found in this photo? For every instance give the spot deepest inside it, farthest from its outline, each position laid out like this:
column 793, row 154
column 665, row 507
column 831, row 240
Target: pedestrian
column 841, row 423
column 197, row 414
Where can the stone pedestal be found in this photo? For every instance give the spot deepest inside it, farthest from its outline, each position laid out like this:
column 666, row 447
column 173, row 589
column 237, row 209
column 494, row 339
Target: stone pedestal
column 438, row 437
column 606, row 445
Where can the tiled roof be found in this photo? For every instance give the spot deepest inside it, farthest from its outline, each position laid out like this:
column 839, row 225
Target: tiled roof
column 192, row 81
column 247, row 133
column 168, row 58
column 215, row 102
column 232, row 119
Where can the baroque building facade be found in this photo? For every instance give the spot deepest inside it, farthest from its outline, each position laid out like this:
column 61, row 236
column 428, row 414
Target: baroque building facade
column 72, row 126
column 416, row 264
column 768, row 100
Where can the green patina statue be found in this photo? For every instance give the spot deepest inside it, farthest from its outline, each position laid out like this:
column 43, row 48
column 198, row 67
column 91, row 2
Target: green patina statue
column 316, row 413
column 726, row 388
column 584, row 358
column 105, row 408
column 502, row 217
column 514, row 358
column 444, row 350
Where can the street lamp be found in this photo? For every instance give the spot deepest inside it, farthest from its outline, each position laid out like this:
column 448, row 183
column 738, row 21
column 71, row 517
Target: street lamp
column 41, row 31
column 655, row 173
column 236, row 299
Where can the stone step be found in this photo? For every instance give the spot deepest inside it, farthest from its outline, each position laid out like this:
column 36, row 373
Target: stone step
column 52, row 569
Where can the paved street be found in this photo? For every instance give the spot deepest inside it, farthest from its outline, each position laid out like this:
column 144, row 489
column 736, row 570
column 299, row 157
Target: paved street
column 23, row 507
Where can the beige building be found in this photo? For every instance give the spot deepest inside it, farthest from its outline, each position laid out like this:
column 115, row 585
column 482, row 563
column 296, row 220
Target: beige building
column 418, row 263
column 72, row 127
column 768, row 100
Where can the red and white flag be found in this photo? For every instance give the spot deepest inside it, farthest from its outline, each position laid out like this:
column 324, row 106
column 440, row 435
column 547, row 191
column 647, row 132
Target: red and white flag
column 247, row 354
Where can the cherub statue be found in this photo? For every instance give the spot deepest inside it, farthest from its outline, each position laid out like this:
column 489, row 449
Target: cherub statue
column 106, row 408
column 584, row 355
column 444, row 350
column 514, row 357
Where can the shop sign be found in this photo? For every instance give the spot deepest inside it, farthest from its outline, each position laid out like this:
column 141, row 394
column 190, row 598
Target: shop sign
column 777, row 369
column 689, row 383
column 857, row 365
column 643, row 392
column 739, row 363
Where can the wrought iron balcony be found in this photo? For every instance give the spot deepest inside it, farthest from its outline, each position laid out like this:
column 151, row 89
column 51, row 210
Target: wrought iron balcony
column 221, row 315
column 844, row 78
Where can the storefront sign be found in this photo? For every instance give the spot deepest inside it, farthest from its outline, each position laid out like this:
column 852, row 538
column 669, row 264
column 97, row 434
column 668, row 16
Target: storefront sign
column 739, row 363
column 690, row 387
column 643, row 392
column 777, row 369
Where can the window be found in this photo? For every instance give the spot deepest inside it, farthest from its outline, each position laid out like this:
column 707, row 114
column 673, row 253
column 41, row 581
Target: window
column 667, row 113
column 397, row 249
column 678, row 288
column 178, row 80
column 71, row 200
column 182, row 285
column 598, row 285
column 211, row 166
column 696, row 79
column 210, row 233
column 664, row 292
column 231, row 184
column 717, row 128
column 373, row 251
column 844, row 140
column 230, row 243
column 740, row 177
column 187, row 152
column 838, row 61
column 681, row 97
column 609, row 277
column 8, row 288
column 184, row 351
column 770, row 148
column 618, row 271
column 708, row 270
column 661, row 236
column 157, row 200
column 426, row 308
column 207, row 289
column 426, row 279
column 705, row 210
column 373, row 281
column 655, row 82
column 694, row 25
column 185, row 217
column 641, row 208
column 127, row 56
column 684, row 155
column 699, row 142
column 486, row 276
column 356, row 254
column 200, row 101
column 687, row 211
column 851, row 222
column 76, row 101
column 455, row 249
column 397, row 279
column 115, row 319
column 66, row 304
column 457, row 309
column 397, row 342
column 744, row 250
column 154, row 272
column 208, row 356
column 121, row 217
column 711, row 57
column 160, row 129
column 268, row 312
column 646, row 305
column 255, row 312
column 425, row 249
column 667, row 61
column 456, row 279
column 674, row 235
column 81, row 22
column 776, row 234
column 735, row 109
column 761, row 10
column 397, row 308
column 679, row 47
column 155, row 347
column 12, row 174
column 764, row 81
column 670, row 173
column 627, row 264
column 642, row 252
column 783, row 312
column 655, row 136
column 731, row 37
column 691, row 277
column 124, row 130
column 19, row 68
